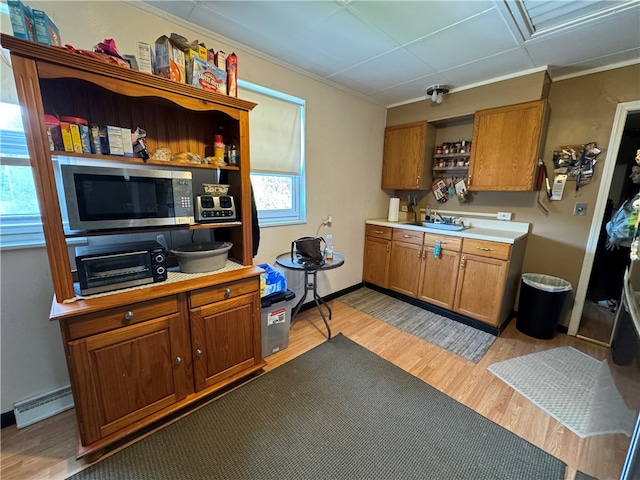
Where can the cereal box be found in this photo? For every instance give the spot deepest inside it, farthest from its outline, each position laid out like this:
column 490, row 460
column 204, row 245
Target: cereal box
column 45, row 31
column 21, row 20
column 145, row 57
column 206, row 75
column 170, row 60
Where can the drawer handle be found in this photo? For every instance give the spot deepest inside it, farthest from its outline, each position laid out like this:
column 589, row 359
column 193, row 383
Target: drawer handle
column 198, row 353
column 178, row 360
column 128, row 316
column 408, row 236
column 462, row 262
column 485, row 249
column 227, row 292
column 379, row 232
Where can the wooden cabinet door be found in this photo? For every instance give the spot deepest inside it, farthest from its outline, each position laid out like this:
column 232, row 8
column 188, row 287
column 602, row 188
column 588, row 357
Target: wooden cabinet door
column 122, row 376
column 376, row 261
column 506, row 142
column 404, row 271
column 439, row 278
column 225, row 338
column 405, row 164
column 480, row 287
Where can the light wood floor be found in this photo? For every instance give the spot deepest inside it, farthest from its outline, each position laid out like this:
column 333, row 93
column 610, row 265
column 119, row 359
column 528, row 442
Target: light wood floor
column 47, row 449
column 596, row 322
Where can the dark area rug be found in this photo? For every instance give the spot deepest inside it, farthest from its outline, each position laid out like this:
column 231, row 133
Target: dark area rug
column 336, row 412
column 463, row 340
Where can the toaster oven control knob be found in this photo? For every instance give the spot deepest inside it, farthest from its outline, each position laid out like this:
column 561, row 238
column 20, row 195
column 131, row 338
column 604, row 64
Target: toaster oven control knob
column 159, row 258
column 160, row 270
column 128, row 316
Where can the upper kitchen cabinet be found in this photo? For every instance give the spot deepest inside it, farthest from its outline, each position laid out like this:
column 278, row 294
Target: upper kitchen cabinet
column 407, row 157
column 506, row 142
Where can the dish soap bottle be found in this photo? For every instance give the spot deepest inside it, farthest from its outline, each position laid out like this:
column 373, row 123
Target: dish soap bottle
column 328, row 251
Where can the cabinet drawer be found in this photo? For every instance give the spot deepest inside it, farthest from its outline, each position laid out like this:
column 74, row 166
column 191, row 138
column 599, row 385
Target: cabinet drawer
column 484, row 248
column 407, row 236
column 113, row 318
column 447, row 242
column 379, row 232
column 223, row 291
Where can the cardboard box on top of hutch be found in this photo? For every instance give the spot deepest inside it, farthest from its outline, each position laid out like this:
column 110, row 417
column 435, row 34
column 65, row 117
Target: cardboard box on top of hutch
column 170, row 60
column 203, row 74
column 21, row 20
column 45, row 31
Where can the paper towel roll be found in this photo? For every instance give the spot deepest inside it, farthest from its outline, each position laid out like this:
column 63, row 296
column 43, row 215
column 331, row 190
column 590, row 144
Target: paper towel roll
column 394, row 206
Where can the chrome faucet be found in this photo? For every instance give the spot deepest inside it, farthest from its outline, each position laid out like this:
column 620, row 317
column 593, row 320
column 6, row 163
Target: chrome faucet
column 437, row 218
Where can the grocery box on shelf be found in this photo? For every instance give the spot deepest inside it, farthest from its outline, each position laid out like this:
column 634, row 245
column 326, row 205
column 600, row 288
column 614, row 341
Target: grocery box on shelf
column 45, row 31
column 203, row 74
column 21, row 19
column 170, row 60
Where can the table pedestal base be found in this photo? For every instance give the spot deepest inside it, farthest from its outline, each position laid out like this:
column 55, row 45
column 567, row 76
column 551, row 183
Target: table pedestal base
column 311, row 285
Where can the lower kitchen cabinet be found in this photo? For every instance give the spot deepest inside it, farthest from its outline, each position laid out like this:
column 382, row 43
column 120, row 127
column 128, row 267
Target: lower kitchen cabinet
column 134, row 364
column 439, row 274
column 475, row 278
column 134, row 369
column 377, row 255
column 406, row 261
column 223, row 337
column 482, row 281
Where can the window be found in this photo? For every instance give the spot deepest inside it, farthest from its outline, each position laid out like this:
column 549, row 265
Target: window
column 277, row 155
column 19, row 213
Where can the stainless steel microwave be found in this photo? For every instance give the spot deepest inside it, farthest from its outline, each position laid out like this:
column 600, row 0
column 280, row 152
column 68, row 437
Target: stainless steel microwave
column 99, row 198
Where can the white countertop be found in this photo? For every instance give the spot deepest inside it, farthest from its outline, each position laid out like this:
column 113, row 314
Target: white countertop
column 480, row 229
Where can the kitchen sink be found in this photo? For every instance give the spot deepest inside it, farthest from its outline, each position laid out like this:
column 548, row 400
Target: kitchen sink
column 438, row 226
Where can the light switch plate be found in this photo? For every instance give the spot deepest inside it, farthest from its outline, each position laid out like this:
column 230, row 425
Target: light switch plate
column 580, row 209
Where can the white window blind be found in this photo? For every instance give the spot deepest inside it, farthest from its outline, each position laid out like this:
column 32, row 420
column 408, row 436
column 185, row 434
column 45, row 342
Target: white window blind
column 276, row 132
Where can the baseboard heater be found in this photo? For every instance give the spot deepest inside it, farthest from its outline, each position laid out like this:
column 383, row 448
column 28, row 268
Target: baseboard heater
column 35, row 409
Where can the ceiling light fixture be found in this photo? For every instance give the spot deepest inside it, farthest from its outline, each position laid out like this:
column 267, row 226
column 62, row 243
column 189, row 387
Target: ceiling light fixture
column 436, row 92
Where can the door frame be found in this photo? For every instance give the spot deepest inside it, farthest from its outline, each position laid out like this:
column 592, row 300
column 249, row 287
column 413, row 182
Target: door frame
column 619, row 121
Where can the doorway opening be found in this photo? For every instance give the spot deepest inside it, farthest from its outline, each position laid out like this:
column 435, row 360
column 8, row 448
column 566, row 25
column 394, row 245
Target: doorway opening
column 588, row 320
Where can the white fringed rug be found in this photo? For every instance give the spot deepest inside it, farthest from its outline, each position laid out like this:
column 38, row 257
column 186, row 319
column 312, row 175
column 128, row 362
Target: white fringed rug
column 572, row 387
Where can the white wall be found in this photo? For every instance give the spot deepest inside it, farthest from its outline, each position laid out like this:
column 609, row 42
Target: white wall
column 344, row 158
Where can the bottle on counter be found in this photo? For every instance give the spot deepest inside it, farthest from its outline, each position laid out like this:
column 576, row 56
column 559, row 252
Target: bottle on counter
column 328, row 251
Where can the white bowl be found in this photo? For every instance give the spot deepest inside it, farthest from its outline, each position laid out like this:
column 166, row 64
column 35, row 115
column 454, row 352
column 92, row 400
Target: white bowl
column 202, row 257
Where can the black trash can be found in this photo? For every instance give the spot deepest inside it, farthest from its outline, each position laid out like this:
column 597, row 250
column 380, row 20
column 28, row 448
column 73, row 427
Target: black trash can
column 542, row 298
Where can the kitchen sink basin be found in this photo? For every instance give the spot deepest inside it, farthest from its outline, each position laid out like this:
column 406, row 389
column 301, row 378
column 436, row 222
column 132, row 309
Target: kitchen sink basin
column 438, row 226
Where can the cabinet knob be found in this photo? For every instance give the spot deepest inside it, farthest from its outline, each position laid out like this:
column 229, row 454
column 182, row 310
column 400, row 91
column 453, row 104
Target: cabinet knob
column 462, row 262
column 178, row 360
column 227, row 292
column 420, row 254
column 128, row 316
column 198, row 353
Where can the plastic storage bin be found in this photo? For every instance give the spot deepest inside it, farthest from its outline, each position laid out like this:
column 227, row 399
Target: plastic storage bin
column 276, row 321
column 542, row 298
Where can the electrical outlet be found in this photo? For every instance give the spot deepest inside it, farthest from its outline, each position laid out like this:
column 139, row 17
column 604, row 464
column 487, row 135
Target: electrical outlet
column 504, row 216
column 404, row 208
column 580, row 209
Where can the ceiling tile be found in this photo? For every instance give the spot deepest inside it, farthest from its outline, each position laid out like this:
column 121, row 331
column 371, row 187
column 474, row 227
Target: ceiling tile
column 408, row 21
column 621, row 57
column 506, row 63
column 478, row 37
column 410, row 90
column 344, row 40
column 397, row 66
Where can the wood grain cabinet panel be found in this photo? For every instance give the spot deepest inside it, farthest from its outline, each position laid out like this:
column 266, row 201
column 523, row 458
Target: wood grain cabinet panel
column 506, row 144
column 377, row 257
column 407, row 156
column 439, row 277
column 122, row 376
column 225, row 339
column 481, row 287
